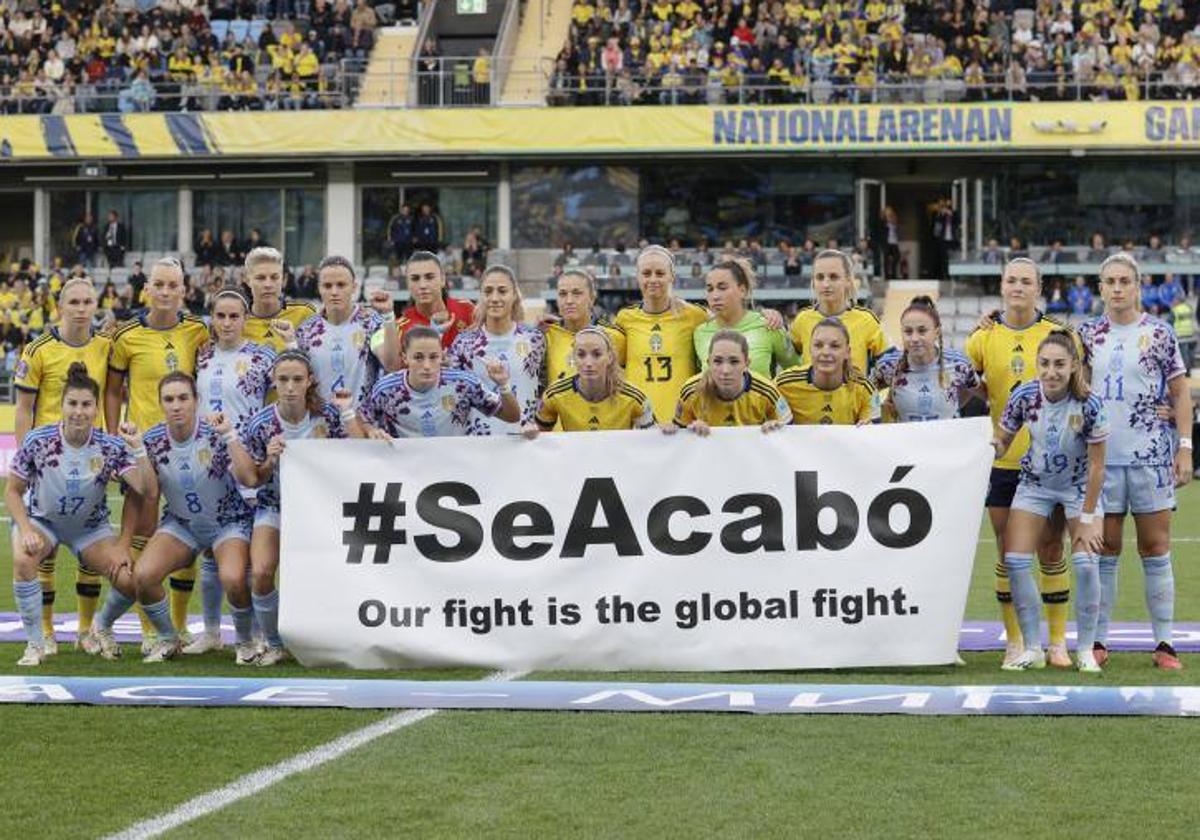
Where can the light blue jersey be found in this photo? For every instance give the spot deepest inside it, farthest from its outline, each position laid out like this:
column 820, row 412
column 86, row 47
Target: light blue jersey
column 341, row 354
column 235, row 382
column 523, row 349
column 444, row 410
column 266, row 424
column 1059, row 435
column 925, row 392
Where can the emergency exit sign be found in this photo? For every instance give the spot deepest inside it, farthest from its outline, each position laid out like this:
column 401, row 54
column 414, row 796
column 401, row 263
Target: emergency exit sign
column 472, row 7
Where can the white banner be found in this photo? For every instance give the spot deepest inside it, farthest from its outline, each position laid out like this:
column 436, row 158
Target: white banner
column 813, row 547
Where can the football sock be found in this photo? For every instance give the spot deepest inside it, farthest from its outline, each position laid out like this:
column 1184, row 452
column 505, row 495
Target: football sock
column 182, row 583
column 28, row 595
column 160, row 616
column 1160, row 595
column 45, row 576
column 1025, row 596
column 1108, row 596
column 242, row 617
column 115, row 606
column 1056, row 594
column 87, row 592
column 1008, row 613
column 210, row 594
column 266, row 607
column 1087, row 598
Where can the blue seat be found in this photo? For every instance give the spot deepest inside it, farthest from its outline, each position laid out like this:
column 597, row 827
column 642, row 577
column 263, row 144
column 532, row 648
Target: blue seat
column 256, row 28
column 219, row 28
column 239, row 28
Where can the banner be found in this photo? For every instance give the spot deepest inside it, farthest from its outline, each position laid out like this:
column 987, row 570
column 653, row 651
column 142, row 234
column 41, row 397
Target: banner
column 812, row 547
column 519, row 131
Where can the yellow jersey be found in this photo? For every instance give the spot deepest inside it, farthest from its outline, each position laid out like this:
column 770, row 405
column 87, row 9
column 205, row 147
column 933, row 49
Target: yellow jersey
column 850, row 403
column 144, row 355
column 42, row 371
column 562, row 403
column 560, row 347
column 759, row 402
column 258, row 329
column 867, row 341
column 1006, row 358
column 659, row 352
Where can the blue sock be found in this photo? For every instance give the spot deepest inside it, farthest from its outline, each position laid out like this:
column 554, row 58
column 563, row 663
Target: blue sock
column 115, row 606
column 1108, row 596
column 28, row 595
column 1160, row 595
column 160, row 616
column 210, row 594
column 1087, row 598
column 1027, row 599
column 242, row 619
column 266, row 607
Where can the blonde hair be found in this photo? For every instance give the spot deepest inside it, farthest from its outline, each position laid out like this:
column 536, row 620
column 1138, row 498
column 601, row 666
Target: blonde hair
column 1126, row 259
column 1015, row 261
column 77, row 281
column 263, row 254
column 518, row 308
column 614, row 377
column 657, row 250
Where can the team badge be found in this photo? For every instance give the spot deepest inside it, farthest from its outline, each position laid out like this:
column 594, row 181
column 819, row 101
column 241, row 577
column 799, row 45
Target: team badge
column 1018, row 366
column 1076, row 423
column 22, row 369
column 204, row 456
column 448, row 402
column 356, row 339
column 95, row 464
column 320, row 430
column 522, row 349
column 242, row 367
column 1143, row 342
column 172, row 360
column 656, row 343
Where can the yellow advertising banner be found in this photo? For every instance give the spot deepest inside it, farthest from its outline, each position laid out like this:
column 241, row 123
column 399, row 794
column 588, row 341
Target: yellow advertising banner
column 978, row 127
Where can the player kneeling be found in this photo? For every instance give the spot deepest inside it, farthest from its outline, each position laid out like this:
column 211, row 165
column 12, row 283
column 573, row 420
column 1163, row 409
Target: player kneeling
column 66, row 468
column 1064, row 466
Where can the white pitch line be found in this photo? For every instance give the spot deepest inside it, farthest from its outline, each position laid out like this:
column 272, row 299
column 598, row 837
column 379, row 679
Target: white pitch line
column 260, row 780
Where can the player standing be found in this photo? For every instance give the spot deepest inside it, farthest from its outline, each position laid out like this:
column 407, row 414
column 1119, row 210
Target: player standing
column 1063, row 465
column 596, row 396
column 1136, row 364
column 728, row 392
column 498, row 334
column 834, row 288
column 729, row 290
column 39, row 380
column 830, row 391
column 269, row 309
column 430, row 305
column 925, row 381
column 161, row 340
column 1004, row 353
column 56, row 492
column 575, row 295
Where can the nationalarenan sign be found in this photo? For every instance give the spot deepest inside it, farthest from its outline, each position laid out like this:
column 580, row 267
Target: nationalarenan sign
column 811, row 547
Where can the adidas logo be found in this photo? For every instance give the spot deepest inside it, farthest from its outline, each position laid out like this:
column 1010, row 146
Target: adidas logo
column 594, row 420
column 729, row 418
column 827, row 408
column 1018, row 349
column 656, row 328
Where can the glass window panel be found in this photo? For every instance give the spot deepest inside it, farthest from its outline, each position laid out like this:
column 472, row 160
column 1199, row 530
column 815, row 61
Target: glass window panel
column 239, row 211
column 377, row 207
column 581, row 205
column 304, row 226
column 66, row 212
column 152, row 216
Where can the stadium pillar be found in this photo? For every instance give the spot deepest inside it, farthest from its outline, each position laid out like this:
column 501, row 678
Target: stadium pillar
column 184, row 233
column 504, row 209
column 41, row 226
column 341, row 216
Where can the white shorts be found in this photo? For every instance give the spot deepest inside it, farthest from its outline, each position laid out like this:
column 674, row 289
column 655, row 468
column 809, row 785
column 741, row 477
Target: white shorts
column 1138, row 489
column 77, row 540
column 199, row 540
column 265, row 517
column 1041, row 500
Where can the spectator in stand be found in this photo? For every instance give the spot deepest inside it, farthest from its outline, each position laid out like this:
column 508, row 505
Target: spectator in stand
column 427, row 230
column 1169, row 291
column 1079, row 297
column 207, row 250
column 229, row 252
column 1151, row 302
column 116, row 236
column 86, row 240
column 137, row 280
column 400, row 233
column 1098, row 250
column 1056, row 298
column 474, row 253
column 255, row 240
column 1054, row 255
column 306, row 284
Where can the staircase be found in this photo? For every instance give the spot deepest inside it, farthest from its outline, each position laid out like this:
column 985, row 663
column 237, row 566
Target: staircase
column 385, row 82
column 543, row 31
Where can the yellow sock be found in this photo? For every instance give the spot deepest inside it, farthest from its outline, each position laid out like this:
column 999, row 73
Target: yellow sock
column 1008, row 613
column 182, row 583
column 136, row 544
column 1056, row 595
column 87, row 592
column 46, row 578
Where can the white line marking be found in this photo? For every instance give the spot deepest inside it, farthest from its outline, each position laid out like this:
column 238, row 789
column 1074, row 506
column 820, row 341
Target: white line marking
column 260, row 780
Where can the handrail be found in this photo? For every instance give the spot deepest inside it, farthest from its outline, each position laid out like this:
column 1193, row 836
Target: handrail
column 501, row 55
column 423, row 26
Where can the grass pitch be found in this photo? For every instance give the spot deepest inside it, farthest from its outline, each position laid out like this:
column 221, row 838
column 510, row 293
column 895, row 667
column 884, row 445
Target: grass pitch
column 77, row 771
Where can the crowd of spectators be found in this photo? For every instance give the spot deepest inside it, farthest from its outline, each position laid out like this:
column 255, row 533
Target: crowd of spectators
column 721, row 51
column 120, row 55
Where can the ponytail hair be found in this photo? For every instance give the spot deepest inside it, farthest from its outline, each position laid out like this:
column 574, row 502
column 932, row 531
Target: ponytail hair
column 518, row 308
column 312, row 397
column 924, row 303
column 177, row 376
column 708, row 387
column 78, row 379
column 660, row 251
column 337, row 261
column 614, row 377
column 847, row 267
column 849, row 371
column 1078, row 386
column 743, row 275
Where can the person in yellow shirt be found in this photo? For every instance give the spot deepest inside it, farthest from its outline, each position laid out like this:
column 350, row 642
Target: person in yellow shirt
column 291, row 39
column 595, row 396
column 834, row 288
column 575, row 296
column 659, row 351
column 829, row 391
column 144, row 350
column 40, row 379
column 728, row 393
column 1004, row 353
column 180, row 65
column 662, row 9
column 687, row 10
column 264, row 276
column 582, row 13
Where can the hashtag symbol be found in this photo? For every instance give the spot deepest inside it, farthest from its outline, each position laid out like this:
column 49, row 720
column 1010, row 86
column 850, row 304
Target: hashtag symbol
column 361, row 512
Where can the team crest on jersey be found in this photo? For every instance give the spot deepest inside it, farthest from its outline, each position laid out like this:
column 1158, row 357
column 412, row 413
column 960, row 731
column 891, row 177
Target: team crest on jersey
column 204, row 456
column 656, row 343
column 1018, row 365
column 522, row 348
column 172, row 360
column 242, row 367
column 1076, row 423
column 448, row 402
column 1143, row 342
column 356, row 339
column 95, row 464
column 320, row 430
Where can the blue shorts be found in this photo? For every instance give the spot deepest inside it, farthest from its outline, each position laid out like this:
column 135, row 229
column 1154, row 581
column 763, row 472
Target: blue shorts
column 76, row 539
column 266, row 517
column 1041, row 500
column 1138, row 489
column 202, row 539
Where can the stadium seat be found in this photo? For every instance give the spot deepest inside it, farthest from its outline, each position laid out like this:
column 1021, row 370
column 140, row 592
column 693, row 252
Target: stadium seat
column 239, row 28
column 219, row 28
column 256, row 28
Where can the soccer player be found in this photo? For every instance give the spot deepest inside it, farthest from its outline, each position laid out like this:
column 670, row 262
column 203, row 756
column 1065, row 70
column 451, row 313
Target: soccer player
column 348, row 345
column 596, row 396
column 728, row 392
column 425, row 399
column 830, row 391
column 1004, row 353
column 204, row 511
column 498, row 334
column 269, row 309
column 729, row 289
column 1063, row 465
column 56, row 492
column 429, row 303
column 834, row 287
column 145, row 349
column 576, row 299
column 40, row 378
column 660, row 353
column 233, row 377
column 924, row 381
column 298, row 413
column 1136, row 364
